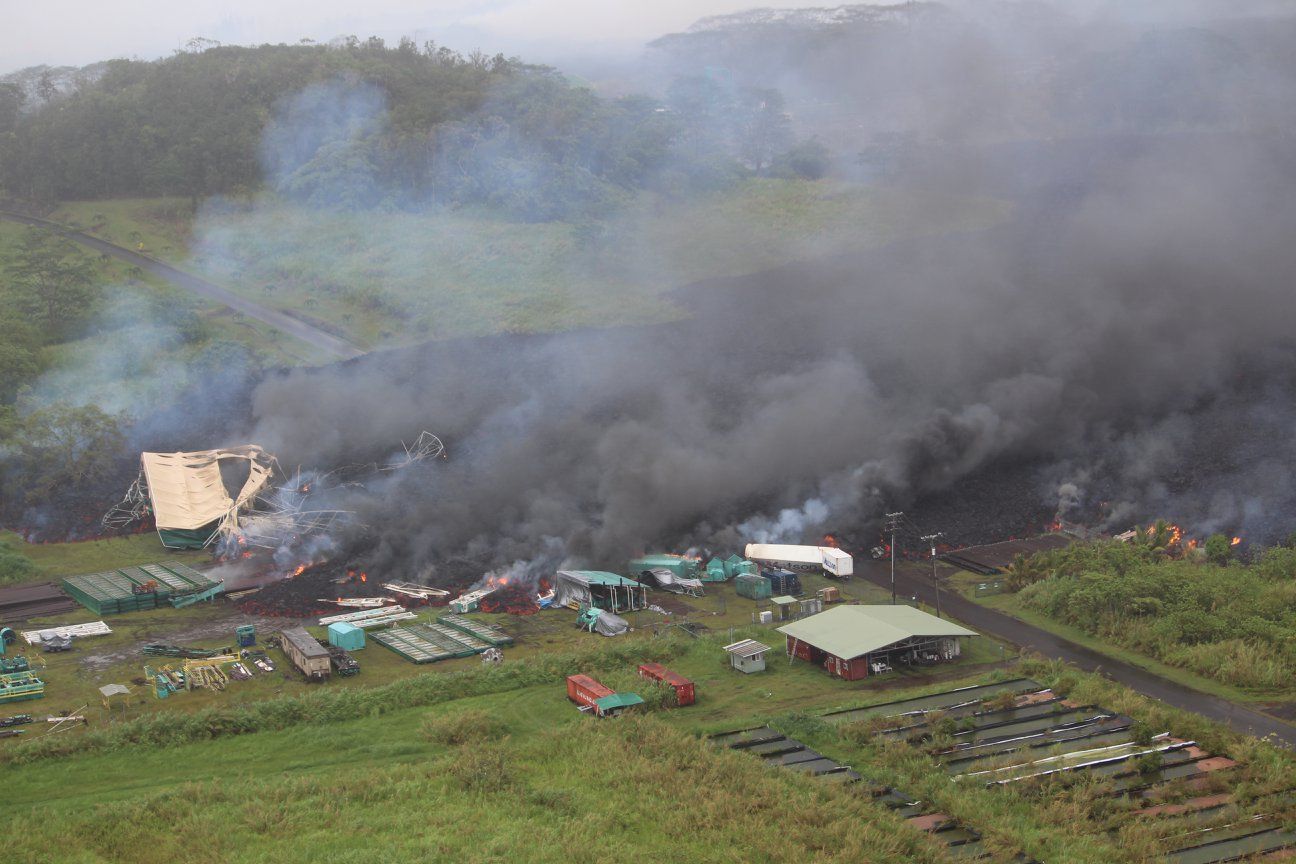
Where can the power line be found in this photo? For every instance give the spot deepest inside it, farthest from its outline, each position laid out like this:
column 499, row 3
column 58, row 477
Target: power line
column 893, row 523
column 931, row 539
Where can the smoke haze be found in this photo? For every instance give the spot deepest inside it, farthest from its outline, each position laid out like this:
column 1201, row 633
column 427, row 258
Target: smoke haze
column 1123, row 337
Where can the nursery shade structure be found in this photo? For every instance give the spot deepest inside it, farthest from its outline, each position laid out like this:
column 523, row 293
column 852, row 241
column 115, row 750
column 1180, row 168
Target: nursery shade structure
column 188, row 496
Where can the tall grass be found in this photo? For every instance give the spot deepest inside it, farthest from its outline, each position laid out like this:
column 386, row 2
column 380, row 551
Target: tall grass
column 1231, row 623
column 634, row 790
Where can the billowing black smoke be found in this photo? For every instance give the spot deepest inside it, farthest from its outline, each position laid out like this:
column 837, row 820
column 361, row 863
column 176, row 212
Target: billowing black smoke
column 1122, row 340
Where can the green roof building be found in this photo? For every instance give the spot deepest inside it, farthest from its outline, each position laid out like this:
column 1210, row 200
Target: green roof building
column 853, row 642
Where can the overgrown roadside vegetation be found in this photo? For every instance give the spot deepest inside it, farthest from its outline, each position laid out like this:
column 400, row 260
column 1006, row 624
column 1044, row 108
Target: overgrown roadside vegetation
column 1230, row 622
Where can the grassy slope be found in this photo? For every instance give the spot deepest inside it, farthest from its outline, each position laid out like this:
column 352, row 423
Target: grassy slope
column 58, row 560
column 141, row 335
column 560, row 787
column 395, row 278
column 570, row 789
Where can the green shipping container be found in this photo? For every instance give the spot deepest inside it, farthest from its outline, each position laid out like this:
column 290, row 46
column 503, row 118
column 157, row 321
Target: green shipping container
column 346, row 636
column 752, row 587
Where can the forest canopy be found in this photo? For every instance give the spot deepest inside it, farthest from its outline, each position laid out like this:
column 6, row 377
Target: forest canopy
column 361, row 124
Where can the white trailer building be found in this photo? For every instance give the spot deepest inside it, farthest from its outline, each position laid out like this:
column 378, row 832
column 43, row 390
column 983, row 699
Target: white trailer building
column 803, row 559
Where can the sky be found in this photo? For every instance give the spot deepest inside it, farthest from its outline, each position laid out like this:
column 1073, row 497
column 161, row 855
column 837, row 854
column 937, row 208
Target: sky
column 77, row 32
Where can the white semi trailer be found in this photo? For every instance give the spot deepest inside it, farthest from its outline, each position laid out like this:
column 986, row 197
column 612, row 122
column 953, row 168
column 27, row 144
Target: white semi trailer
column 803, row 559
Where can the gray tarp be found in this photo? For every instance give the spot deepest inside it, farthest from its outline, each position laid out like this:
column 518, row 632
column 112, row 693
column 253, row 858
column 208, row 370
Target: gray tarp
column 610, row 625
column 664, row 579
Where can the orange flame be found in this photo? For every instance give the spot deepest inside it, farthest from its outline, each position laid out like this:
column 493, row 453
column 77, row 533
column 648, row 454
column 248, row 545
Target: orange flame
column 364, row 577
column 1235, row 541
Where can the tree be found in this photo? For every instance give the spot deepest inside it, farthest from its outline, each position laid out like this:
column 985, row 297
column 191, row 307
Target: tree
column 1218, row 549
column 766, row 128
column 65, row 445
column 1022, row 572
column 807, row 159
column 54, row 281
column 19, row 355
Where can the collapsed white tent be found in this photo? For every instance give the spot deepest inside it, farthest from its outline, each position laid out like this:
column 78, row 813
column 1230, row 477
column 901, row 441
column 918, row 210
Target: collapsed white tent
column 190, row 503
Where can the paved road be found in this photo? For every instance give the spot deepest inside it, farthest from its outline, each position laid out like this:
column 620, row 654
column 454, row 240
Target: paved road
column 281, row 321
column 918, row 583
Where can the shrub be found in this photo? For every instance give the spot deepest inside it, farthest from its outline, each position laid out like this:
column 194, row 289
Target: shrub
column 1149, row 763
column 463, row 727
column 15, row 566
column 481, row 769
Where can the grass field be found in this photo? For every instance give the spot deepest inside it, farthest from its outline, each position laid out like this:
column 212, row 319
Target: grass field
column 457, row 760
column 58, row 560
column 386, row 279
column 73, row 679
column 141, row 339
column 526, row 777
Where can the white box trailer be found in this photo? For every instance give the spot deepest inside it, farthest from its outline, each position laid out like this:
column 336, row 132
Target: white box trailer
column 802, row 559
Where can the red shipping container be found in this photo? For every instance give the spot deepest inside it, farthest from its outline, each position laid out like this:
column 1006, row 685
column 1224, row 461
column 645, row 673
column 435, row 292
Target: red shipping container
column 583, row 690
column 684, row 694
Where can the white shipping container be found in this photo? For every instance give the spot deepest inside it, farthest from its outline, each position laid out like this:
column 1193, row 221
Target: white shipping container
column 802, row 559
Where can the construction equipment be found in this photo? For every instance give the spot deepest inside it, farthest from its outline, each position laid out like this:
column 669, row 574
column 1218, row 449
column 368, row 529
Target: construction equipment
column 164, row 680
column 343, row 663
column 17, row 686
column 16, row 663
column 205, row 674
column 15, row 720
column 246, row 635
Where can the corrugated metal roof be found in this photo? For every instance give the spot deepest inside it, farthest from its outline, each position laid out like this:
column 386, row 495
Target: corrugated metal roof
column 850, row 631
column 304, row 642
column 599, row 577
column 618, row 700
column 747, row 648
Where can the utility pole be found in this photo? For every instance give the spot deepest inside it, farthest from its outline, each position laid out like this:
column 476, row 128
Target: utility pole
column 931, row 539
column 893, row 522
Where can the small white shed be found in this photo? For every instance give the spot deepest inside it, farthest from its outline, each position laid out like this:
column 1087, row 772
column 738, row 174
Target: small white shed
column 747, row 655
